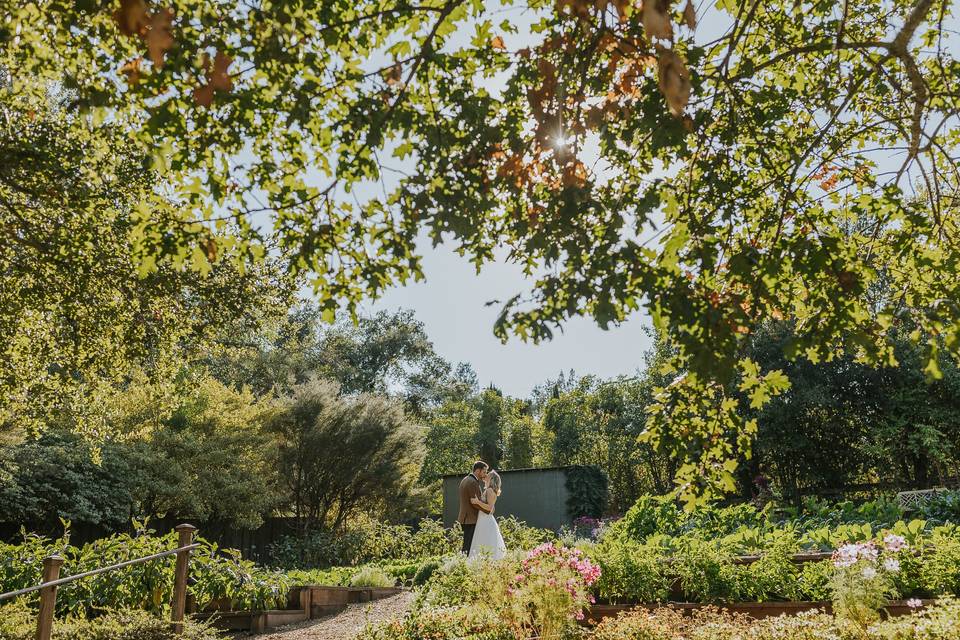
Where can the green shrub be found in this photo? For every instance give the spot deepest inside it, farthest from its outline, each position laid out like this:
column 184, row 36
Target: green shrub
column 814, row 580
column 463, row 623
column 705, row 571
column 366, row 541
column 630, row 572
column 452, row 584
column 519, row 536
column 648, row 516
column 942, row 507
column 372, row 577
column 18, row 622
column 774, row 576
column 425, row 571
column 940, row 567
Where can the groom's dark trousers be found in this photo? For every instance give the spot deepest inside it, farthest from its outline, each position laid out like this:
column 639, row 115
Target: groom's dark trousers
column 468, row 530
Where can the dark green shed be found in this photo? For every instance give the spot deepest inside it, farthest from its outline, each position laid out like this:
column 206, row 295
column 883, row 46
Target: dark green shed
column 536, row 496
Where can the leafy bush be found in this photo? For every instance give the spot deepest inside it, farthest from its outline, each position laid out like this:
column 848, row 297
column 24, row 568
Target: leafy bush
column 372, row 577
column 18, row 622
column 424, row 571
column 774, row 576
column 940, row 567
column 452, row 584
column 463, row 623
column 942, row 507
column 631, row 572
column 367, row 540
column 342, row 576
column 518, row 535
column 650, row 515
column 705, row 571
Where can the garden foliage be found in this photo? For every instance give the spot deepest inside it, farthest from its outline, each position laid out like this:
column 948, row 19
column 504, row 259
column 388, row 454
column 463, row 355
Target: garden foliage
column 217, row 574
column 19, row 622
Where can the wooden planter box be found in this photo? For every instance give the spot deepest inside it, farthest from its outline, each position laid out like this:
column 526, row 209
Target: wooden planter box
column 755, row 610
column 325, row 600
column 253, row 621
column 304, row 603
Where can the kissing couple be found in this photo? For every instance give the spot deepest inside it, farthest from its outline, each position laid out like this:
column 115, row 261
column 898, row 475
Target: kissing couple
column 479, row 491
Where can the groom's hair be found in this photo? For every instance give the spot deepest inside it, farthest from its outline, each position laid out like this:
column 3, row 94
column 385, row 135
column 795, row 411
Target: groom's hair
column 479, row 464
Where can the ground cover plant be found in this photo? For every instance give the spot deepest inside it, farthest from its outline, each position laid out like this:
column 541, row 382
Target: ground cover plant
column 19, row 622
column 939, row 622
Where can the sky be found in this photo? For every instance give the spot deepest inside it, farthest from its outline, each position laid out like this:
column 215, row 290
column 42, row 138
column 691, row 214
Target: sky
column 451, row 304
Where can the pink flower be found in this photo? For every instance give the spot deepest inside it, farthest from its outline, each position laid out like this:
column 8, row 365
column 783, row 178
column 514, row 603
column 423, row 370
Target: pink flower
column 914, row 603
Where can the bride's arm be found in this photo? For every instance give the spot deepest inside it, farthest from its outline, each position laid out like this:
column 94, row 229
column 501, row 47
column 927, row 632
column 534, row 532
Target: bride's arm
column 483, row 506
column 486, row 507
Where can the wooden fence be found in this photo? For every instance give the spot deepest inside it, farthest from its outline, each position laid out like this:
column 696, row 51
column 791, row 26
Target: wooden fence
column 51, row 580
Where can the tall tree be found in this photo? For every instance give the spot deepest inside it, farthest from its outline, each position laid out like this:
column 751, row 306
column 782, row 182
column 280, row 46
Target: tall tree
column 451, row 439
column 388, row 352
column 338, row 456
column 79, row 312
column 490, row 428
column 734, row 160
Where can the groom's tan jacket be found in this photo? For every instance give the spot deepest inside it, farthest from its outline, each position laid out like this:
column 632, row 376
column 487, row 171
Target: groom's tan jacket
column 469, row 488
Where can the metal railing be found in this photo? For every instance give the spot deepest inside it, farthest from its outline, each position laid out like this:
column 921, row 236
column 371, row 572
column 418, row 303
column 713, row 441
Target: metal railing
column 51, row 580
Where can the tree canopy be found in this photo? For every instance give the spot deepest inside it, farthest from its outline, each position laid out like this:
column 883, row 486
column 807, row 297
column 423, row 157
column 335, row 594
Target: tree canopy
column 624, row 155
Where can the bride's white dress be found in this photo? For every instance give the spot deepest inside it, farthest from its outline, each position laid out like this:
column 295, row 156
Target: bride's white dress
column 487, row 541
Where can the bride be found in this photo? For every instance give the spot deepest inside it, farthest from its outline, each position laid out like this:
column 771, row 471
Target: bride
column 487, row 540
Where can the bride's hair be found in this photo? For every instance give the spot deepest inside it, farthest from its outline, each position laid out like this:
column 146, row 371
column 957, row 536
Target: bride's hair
column 493, row 481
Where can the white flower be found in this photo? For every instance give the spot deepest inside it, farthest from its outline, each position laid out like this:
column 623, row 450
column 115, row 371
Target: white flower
column 846, row 555
column 892, row 565
column 894, row 543
column 914, row 603
column 869, row 573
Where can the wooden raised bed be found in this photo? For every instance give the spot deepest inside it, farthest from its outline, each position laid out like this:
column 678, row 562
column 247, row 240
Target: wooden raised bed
column 304, row 603
column 755, row 610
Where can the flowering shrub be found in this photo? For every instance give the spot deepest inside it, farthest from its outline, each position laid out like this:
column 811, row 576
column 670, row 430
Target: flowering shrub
column 553, row 586
column 863, row 581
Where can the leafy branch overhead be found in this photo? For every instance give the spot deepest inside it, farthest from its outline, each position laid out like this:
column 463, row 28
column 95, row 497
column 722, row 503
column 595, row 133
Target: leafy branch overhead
column 715, row 165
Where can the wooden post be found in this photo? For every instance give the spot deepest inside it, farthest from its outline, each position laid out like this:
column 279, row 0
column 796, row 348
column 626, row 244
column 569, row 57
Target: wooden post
column 305, row 601
column 186, row 532
column 48, row 597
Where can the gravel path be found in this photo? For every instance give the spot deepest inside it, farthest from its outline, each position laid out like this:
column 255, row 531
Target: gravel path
column 344, row 625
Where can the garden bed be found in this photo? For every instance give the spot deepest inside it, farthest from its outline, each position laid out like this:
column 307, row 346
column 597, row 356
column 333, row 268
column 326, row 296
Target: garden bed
column 755, row 610
column 305, row 602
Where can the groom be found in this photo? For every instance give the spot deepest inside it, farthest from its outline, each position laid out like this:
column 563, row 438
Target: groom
column 470, row 487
